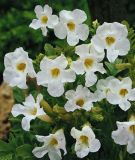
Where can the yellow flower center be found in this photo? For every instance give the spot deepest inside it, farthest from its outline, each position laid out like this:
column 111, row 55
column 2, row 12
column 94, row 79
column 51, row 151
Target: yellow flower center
column 21, row 67
column 71, row 26
column 55, row 72
column 123, row 92
column 132, row 129
column 80, row 102
column 84, row 139
column 44, row 19
column 33, row 111
column 88, row 62
column 110, row 40
column 53, row 142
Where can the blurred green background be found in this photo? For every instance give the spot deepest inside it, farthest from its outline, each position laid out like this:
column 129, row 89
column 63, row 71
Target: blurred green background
column 16, row 15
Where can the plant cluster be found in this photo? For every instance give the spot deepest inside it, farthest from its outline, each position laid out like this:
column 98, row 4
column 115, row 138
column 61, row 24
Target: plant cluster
column 75, row 94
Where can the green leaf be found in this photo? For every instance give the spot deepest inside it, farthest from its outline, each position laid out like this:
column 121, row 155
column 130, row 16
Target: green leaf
column 18, row 94
column 5, row 147
column 49, row 50
column 112, row 69
column 24, row 150
column 6, row 157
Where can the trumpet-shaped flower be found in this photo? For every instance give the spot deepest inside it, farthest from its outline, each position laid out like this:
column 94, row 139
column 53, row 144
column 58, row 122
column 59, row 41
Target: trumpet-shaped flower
column 30, row 109
column 112, row 37
column 54, row 75
column 87, row 63
column 82, row 98
column 52, row 145
column 85, row 141
column 71, row 26
column 17, row 66
column 45, row 19
column 121, row 93
column 125, row 135
column 103, row 88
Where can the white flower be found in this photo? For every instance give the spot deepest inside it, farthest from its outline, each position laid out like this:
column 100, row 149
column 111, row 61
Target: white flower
column 113, row 38
column 45, row 19
column 52, row 145
column 88, row 63
column 125, row 135
column 121, row 93
column 82, row 98
column 85, row 141
column 103, row 88
column 30, row 109
column 71, row 26
column 17, row 66
column 53, row 75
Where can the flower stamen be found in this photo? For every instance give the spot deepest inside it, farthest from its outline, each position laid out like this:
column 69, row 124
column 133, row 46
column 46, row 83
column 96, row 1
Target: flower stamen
column 84, row 139
column 88, row 62
column 80, row 102
column 71, row 26
column 55, row 72
column 44, row 19
column 53, row 142
column 21, row 67
column 123, row 92
column 132, row 129
column 110, row 40
column 33, row 111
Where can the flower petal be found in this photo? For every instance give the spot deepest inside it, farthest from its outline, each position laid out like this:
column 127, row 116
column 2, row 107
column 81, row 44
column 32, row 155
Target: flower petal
column 69, row 107
column 61, row 139
column 95, row 145
column 123, row 46
column 39, row 152
column 61, row 61
column 82, row 32
column 54, row 155
column 112, row 54
column 17, row 110
column 54, row 90
column 81, row 150
column 77, row 66
column 35, row 24
column 112, row 98
column 120, row 136
column 82, row 50
column 60, row 31
column 72, row 39
column 44, row 31
column 69, row 94
column 125, row 105
column 26, row 123
column 68, row 76
column 43, row 78
column 90, row 79
column 47, row 10
column 79, row 16
column 38, row 10
column 132, row 95
column 53, row 21
column 131, row 146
